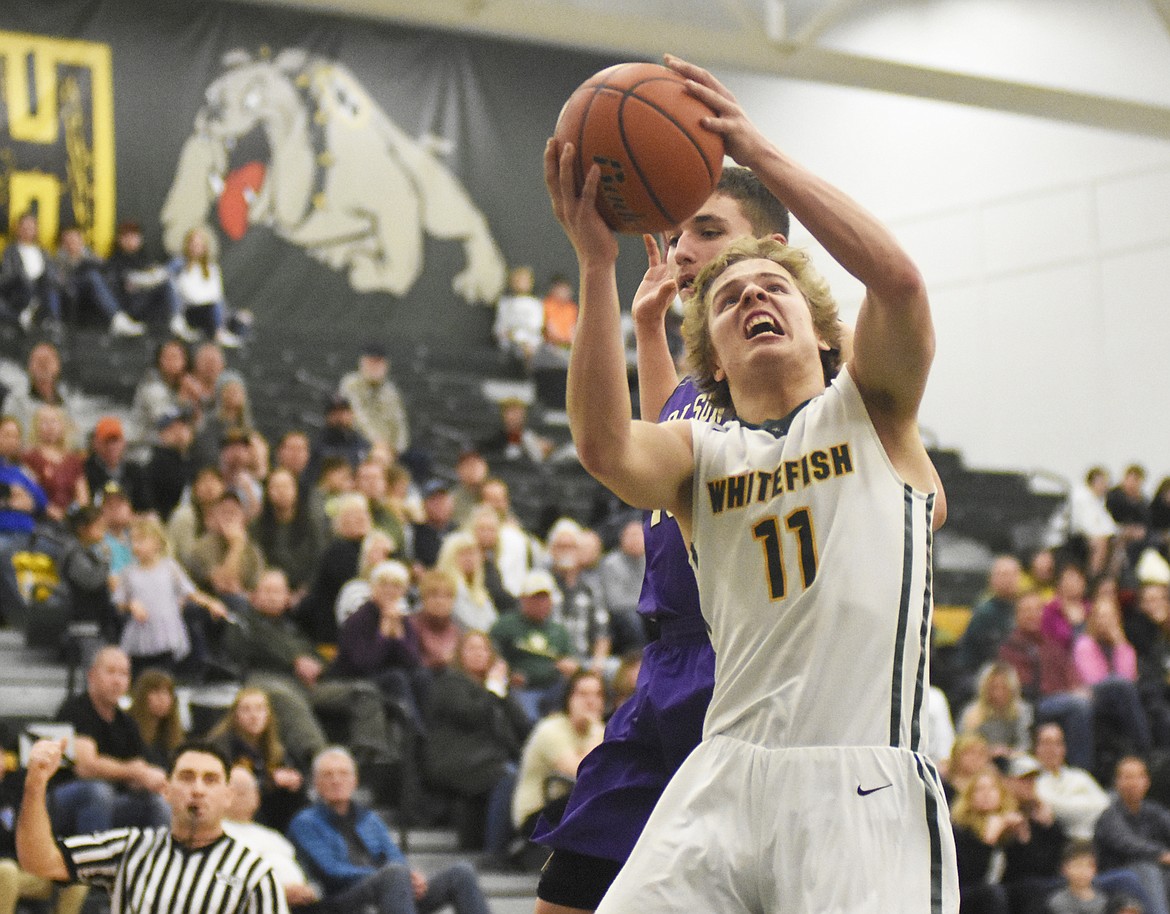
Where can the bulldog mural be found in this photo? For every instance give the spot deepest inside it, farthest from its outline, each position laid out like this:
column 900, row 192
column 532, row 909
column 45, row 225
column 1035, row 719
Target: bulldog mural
column 296, row 144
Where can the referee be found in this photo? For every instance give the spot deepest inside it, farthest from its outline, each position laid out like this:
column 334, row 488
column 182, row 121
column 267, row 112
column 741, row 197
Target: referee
column 192, row 866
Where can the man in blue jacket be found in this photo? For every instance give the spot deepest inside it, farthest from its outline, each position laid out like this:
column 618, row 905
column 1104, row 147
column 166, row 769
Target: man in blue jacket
column 350, row 852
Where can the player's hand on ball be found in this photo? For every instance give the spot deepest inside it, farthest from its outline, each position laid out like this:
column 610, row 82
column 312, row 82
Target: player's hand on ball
column 657, row 289
column 742, row 140
column 591, row 238
column 44, row 759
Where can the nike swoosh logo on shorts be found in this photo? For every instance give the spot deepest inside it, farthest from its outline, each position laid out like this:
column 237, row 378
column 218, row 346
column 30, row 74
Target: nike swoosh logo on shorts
column 865, row 793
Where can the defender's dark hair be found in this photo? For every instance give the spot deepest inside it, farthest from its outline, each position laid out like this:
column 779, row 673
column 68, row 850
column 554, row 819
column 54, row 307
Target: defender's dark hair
column 766, row 214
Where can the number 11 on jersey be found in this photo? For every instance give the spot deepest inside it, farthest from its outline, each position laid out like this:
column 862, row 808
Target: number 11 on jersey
column 767, row 531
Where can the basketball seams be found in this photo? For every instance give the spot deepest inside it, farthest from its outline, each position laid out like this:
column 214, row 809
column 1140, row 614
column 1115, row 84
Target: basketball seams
column 605, row 127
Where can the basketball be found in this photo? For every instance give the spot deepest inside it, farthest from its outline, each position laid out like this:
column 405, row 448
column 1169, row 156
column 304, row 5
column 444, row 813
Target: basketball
column 639, row 124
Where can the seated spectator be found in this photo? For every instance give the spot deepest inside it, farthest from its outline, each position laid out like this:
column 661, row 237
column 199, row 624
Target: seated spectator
column 537, row 650
column 285, row 532
column 560, row 314
column 1041, row 575
column 154, row 707
column 267, row 841
column 349, row 849
column 1160, row 517
column 519, row 324
column 377, row 405
column 475, row 733
column 969, row 756
column 461, row 558
column 143, row 285
column 518, row 552
column 999, row 712
column 225, row 421
column 1091, row 529
column 292, row 453
column 370, row 479
column 581, row 608
column 17, row 884
column 1074, row 795
column 249, row 736
column 376, row 645
column 554, row 750
column 1032, row 870
column 11, row 442
column 1049, row 680
column 171, row 467
column 152, row 592
column 986, row 820
column 317, row 613
column 284, row 663
column 111, row 783
column 1134, row 832
column 237, row 467
column 485, row 526
column 437, row 523
column 1147, row 626
column 433, row 624
column 80, row 275
column 1065, row 614
column 335, row 480
column 340, row 437
column 1078, row 866
column 1129, row 508
column 42, row 387
column 376, row 548
column 515, row 441
column 225, row 559
column 86, row 568
column 117, row 515
column 210, row 373
column 56, row 465
column 199, row 285
column 27, row 283
column 620, row 578
column 471, row 472
column 992, row 617
column 107, row 463
column 191, row 518
column 164, row 388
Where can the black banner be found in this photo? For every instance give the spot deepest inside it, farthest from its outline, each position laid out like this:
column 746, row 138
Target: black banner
column 352, row 173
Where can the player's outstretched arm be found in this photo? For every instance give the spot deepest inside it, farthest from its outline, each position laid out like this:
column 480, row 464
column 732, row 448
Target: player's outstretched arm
column 657, row 377
column 894, row 342
column 647, row 465
column 35, row 848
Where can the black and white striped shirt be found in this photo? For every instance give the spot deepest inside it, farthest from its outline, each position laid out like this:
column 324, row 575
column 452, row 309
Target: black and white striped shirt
column 147, row 872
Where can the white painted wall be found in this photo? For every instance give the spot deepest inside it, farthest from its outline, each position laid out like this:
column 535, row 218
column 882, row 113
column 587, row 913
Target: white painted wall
column 1047, row 250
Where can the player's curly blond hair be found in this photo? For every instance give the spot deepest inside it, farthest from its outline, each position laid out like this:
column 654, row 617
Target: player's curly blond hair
column 697, row 327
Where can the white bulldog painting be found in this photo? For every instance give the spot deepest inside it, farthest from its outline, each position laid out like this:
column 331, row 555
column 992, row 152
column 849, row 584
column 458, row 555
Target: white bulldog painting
column 295, row 143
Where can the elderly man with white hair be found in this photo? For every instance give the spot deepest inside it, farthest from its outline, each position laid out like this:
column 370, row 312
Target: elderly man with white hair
column 350, row 850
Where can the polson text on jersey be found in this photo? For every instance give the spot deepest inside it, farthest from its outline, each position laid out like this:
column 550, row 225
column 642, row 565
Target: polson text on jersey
column 738, row 491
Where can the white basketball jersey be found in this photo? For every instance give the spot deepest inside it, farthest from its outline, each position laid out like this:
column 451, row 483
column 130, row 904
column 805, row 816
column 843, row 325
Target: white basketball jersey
column 813, row 563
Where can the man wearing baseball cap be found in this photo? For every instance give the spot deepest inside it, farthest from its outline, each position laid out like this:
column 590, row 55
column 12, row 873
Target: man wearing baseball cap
column 537, row 649
column 107, row 463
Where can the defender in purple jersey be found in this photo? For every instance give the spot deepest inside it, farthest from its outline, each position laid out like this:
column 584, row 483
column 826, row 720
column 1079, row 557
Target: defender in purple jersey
column 650, row 735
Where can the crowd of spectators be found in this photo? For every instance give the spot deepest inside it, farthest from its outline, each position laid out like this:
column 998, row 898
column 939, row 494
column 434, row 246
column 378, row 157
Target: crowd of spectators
column 1060, row 771
column 356, row 596
column 350, row 599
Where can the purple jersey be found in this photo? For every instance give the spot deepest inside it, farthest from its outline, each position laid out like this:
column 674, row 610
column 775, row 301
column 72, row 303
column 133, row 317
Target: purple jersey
column 669, row 591
column 650, row 735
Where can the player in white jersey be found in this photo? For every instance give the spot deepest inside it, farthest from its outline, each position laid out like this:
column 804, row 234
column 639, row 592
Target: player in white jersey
column 810, row 521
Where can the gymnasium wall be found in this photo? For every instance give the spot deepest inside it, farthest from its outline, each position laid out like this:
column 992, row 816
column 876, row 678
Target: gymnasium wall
column 1046, row 247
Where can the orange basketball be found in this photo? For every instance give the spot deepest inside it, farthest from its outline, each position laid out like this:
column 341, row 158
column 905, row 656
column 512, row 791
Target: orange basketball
column 639, row 124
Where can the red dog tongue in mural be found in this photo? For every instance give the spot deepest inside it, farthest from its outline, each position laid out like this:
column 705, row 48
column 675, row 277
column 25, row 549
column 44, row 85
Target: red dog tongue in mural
column 238, row 190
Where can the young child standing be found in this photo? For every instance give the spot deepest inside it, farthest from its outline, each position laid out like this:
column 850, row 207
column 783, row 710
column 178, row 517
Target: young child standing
column 152, row 591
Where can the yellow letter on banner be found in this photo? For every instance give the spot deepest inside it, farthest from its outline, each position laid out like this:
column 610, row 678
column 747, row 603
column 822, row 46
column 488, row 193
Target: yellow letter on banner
column 40, row 110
